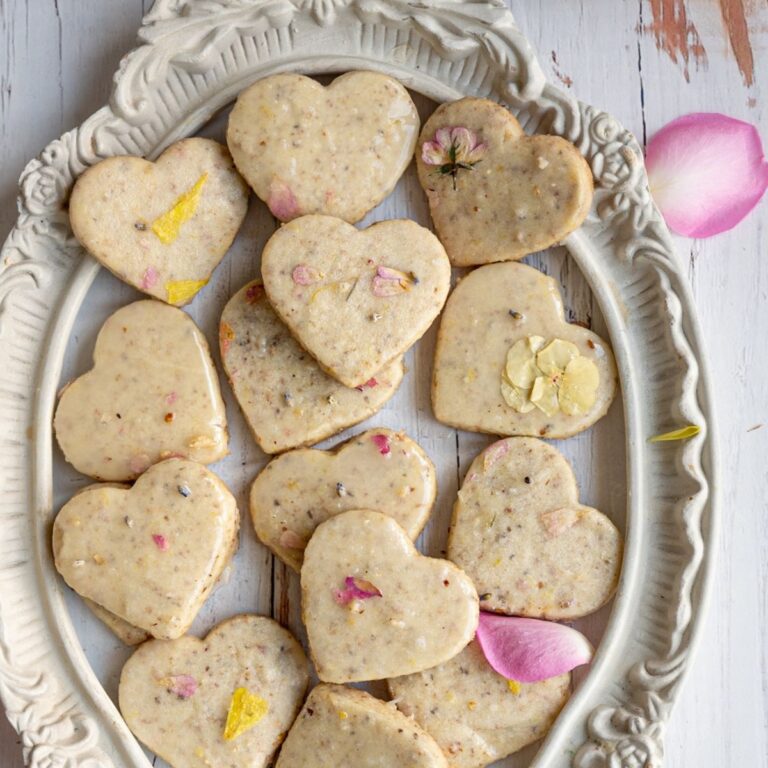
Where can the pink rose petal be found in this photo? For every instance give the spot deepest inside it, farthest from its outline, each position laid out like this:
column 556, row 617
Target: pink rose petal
column 171, row 397
column 160, row 542
column 529, row 650
column 382, row 443
column 184, row 686
column 282, row 202
column 706, row 172
column 139, row 463
column 370, row 384
column 304, row 275
column 254, row 293
column 494, row 452
column 355, row 589
column 432, row 153
column 149, row 278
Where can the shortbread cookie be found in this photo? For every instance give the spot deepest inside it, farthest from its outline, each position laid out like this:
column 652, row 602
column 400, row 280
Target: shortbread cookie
column 494, row 193
column 375, row 607
column 288, row 401
column 124, row 631
column 379, row 469
column 152, row 393
column 149, row 554
column 507, row 363
column 476, row 715
column 162, row 227
column 337, row 150
column 356, row 300
column 342, row 727
column 227, row 700
column 531, row 548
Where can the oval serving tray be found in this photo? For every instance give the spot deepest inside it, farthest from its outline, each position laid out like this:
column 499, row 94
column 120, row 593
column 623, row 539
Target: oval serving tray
column 194, row 57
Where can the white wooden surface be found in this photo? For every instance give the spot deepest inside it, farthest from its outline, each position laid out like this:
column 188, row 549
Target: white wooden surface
column 56, row 58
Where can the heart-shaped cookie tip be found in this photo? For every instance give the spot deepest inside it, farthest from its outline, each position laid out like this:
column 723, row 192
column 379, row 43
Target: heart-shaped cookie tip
column 507, row 362
column 375, row 607
column 494, row 193
column 337, row 150
column 379, row 469
column 152, row 393
column 286, row 398
column 342, row 727
column 531, row 548
column 226, row 700
column 161, row 227
column 476, row 715
column 355, row 299
column 149, row 554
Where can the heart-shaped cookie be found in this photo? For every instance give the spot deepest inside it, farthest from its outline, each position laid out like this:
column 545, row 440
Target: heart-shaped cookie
column 379, row 469
column 507, row 363
column 374, row 607
column 342, row 727
column 519, row 531
column 124, row 631
column 286, row 398
column 152, row 393
column 337, row 150
column 476, row 715
column 356, row 300
column 494, row 193
column 227, row 700
column 149, row 554
column 162, row 227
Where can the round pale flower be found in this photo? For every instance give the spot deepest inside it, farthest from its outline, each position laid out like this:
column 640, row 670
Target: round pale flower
column 453, row 146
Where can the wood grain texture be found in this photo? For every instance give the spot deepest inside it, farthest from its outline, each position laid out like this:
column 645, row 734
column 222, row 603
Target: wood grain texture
column 56, row 60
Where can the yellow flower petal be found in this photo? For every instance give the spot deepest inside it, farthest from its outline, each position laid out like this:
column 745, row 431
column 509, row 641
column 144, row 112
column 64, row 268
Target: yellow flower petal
column 544, row 396
column 678, row 434
column 578, row 387
column 167, row 226
column 514, row 686
column 520, row 368
column 515, row 397
column 245, row 710
column 555, row 357
column 182, row 291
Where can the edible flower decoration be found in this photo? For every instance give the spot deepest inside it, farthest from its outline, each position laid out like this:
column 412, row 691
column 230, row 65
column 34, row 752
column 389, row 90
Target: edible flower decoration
column 391, row 282
column 245, row 710
column 168, row 226
column 684, row 433
column 183, row 686
column 453, row 149
column 355, row 589
column 551, row 377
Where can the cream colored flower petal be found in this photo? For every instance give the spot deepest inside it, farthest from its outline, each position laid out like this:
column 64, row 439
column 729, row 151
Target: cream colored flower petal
column 515, row 397
column 544, row 396
column 536, row 343
column 578, row 387
column 521, row 367
column 556, row 355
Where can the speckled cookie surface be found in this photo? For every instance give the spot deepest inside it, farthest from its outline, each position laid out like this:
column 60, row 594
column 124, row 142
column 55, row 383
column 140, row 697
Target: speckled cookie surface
column 491, row 320
column 162, row 227
column 179, row 696
column 343, row 727
column 149, row 554
column 531, row 548
column 355, row 299
column 476, row 715
column 152, row 393
column 379, row 469
column 286, row 398
column 124, row 631
column 337, row 150
column 376, row 608
column 494, row 193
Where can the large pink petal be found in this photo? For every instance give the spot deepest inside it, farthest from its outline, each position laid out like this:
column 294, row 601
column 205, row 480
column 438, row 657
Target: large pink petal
column 707, row 172
column 529, row 650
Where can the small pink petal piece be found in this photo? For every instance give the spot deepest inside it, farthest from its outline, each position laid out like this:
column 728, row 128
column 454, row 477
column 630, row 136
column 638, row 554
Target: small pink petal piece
column 370, row 384
column 433, row 154
column 282, row 202
column 292, row 540
column 494, row 452
column 254, row 293
column 706, row 172
column 557, row 521
column 184, row 686
column 149, row 278
column 443, row 137
column 160, row 542
column 304, row 275
column 529, row 650
column 382, row 443
column 391, row 282
column 355, row 589
column 139, row 463
column 171, row 398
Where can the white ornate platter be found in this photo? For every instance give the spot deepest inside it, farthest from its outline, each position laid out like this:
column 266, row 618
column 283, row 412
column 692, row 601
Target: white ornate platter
column 194, row 57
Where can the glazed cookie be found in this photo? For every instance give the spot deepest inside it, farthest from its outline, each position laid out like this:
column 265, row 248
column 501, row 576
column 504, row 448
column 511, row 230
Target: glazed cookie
column 494, row 193
column 519, row 531
column 152, row 393
column 476, row 715
column 378, row 469
column 507, row 363
column 149, row 554
column 342, row 727
column 374, row 607
column 356, row 300
column 162, row 227
column 286, row 398
column 337, row 150
column 227, row 700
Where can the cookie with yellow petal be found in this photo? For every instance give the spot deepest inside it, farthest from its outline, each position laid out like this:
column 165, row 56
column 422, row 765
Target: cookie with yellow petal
column 520, row 532
column 227, row 700
column 496, row 194
column 162, row 226
column 508, row 363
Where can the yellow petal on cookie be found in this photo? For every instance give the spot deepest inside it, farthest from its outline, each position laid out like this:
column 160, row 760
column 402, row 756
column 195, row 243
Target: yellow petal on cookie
column 167, row 226
column 544, row 396
column 245, row 710
column 578, row 387
column 556, row 356
column 520, row 368
column 181, row 291
column 514, row 686
column 515, row 397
